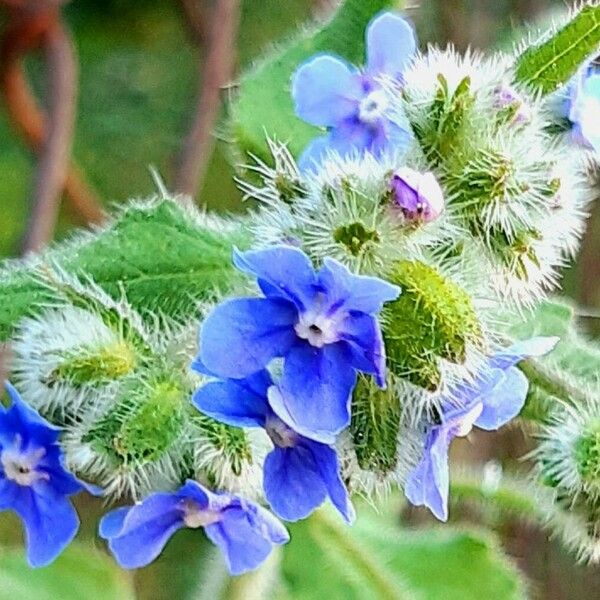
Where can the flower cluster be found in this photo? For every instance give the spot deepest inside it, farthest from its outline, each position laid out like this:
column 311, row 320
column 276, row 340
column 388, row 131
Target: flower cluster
column 438, row 202
column 323, row 325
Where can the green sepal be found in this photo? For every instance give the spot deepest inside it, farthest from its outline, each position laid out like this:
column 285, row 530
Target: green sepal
column 374, row 427
column 432, row 318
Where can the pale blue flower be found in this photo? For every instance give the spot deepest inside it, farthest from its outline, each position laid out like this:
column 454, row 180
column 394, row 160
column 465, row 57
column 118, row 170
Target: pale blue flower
column 244, row 531
column 496, row 397
column 584, row 107
column 322, row 323
column 329, row 92
column 299, row 473
column 34, row 482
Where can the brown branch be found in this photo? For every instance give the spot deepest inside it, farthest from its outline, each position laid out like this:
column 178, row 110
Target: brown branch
column 215, row 71
column 25, row 33
column 55, row 150
column 196, row 19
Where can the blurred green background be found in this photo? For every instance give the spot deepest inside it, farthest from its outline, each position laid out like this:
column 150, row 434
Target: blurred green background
column 138, row 83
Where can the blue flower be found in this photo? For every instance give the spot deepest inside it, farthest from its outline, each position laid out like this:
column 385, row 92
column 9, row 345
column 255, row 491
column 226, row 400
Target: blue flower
column 323, row 324
column 244, row 531
column 34, row 483
column 584, row 107
column 491, row 401
column 329, row 92
column 299, row 474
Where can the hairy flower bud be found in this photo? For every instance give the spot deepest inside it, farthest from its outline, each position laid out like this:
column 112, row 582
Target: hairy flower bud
column 418, row 196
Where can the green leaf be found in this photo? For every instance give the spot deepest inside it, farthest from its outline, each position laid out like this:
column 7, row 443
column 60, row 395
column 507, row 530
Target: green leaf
column 264, row 104
column 376, row 559
column 163, row 257
column 21, row 296
column 551, row 64
column 79, row 573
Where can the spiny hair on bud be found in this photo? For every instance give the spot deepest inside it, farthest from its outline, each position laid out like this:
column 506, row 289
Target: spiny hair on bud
column 138, row 438
column 62, row 357
column 568, row 455
column 228, row 457
column 377, row 460
column 280, row 184
column 576, row 521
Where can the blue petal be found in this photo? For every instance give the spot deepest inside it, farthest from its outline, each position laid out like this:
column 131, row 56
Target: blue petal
column 362, row 334
column 327, row 462
column 145, row 530
column 504, row 401
column 293, row 483
column 314, row 153
column 111, row 523
column 316, row 389
column 281, row 270
column 21, row 419
column 390, row 44
column 204, row 498
column 241, row 336
column 534, row 347
column 353, row 137
column 326, row 90
column 50, row 521
column 244, row 538
column 428, row 484
column 354, row 292
column 237, row 402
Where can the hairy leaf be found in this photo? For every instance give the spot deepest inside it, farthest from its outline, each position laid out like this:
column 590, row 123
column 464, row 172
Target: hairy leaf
column 551, row 64
column 163, row 258
column 264, row 104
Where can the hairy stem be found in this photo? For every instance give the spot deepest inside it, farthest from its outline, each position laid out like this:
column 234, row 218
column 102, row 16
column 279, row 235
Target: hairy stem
column 355, row 556
column 552, row 385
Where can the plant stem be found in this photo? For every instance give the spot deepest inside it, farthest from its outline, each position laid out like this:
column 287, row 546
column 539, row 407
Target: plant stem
column 550, row 385
column 320, row 523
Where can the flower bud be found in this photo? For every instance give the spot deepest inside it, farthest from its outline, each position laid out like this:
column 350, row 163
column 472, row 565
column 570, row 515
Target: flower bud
column 506, row 98
column 417, row 195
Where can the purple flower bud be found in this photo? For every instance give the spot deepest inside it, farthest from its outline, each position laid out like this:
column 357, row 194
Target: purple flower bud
column 417, row 195
column 508, row 97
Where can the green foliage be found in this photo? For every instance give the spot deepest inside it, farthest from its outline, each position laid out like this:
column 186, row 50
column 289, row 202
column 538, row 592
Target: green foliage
column 377, row 560
column 264, row 104
column 79, row 573
column 21, row 297
column 374, row 427
column 551, row 64
column 432, row 318
column 160, row 256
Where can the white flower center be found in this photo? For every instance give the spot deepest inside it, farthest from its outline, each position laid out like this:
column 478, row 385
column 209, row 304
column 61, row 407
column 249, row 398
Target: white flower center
column 281, row 435
column 195, row 517
column 20, row 466
column 373, row 106
column 317, row 328
column 466, row 423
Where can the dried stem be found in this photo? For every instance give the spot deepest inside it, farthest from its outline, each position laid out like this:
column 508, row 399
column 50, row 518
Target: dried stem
column 25, row 33
column 215, row 71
